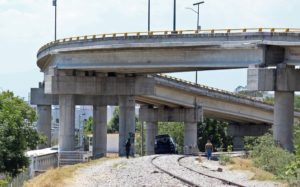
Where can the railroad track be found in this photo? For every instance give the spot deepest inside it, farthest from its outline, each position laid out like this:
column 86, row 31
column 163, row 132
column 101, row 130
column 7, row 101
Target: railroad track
column 189, row 182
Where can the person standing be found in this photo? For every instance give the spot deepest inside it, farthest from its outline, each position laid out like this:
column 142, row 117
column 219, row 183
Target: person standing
column 127, row 147
column 208, row 149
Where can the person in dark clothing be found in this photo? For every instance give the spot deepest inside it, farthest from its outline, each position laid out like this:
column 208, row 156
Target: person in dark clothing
column 127, row 147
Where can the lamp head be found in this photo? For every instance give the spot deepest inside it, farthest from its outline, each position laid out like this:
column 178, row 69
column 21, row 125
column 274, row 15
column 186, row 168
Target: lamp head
column 198, row 3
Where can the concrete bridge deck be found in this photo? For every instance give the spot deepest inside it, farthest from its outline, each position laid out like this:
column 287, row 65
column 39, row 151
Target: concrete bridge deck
column 158, row 52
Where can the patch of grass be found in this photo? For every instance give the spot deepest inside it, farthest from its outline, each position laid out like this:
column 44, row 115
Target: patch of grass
column 3, row 183
column 199, row 159
column 60, row 176
column 224, row 159
column 247, row 164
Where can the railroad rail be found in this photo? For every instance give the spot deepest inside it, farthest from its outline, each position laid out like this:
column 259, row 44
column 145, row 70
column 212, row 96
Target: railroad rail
column 190, row 183
column 167, row 32
column 210, row 176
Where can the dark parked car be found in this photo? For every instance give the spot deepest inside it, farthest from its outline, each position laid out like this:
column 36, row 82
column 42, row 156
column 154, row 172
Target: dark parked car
column 164, row 144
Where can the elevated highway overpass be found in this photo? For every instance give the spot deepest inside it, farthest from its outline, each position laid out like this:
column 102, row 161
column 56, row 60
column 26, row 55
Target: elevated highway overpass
column 117, row 68
column 162, row 51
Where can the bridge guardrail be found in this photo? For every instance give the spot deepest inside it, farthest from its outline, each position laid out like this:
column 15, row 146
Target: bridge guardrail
column 73, row 157
column 42, row 163
column 167, row 32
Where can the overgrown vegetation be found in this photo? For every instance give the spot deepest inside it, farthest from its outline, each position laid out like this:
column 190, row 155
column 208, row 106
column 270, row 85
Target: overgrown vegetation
column 17, row 133
column 225, row 159
column 175, row 130
column 113, row 124
column 213, row 130
column 247, row 164
column 293, row 170
column 269, row 157
column 272, row 158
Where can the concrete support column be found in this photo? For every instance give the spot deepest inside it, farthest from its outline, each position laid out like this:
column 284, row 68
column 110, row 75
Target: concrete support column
column 238, row 143
column 126, row 123
column 284, row 119
column 44, row 123
column 99, row 131
column 190, row 137
column 151, row 132
column 66, row 141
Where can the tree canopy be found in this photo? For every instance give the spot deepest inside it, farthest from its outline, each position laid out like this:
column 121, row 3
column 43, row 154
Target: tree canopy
column 213, row 130
column 113, row 124
column 17, row 133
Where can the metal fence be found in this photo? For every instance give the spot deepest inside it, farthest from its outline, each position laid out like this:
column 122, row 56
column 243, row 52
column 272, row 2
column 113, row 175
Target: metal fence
column 20, row 179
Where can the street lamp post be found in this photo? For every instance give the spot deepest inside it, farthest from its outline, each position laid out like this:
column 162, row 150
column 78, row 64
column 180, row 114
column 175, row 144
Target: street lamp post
column 198, row 26
column 54, row 3
column 198, row 4
column 148, row 15
column 174, row 17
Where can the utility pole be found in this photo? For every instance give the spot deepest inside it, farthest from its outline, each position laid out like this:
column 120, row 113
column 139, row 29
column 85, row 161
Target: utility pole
column 54, row 3
column 198, row 27
column 148, row 15
column 174, row 17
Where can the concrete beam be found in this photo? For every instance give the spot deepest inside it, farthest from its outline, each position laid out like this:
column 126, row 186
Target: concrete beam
column 99, row 131
column 126, row 124
column 79, row 85
column 38, row 97
column 66, row 141
column 279, row 79
column 170, row 114
column 240, row 130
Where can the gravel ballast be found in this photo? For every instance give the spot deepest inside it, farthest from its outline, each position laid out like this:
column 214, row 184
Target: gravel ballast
column 141, row 172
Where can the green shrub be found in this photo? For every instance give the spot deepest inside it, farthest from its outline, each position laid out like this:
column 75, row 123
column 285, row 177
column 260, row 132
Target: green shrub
column 225, row 159
column 293, row 170
column 267, row 156
column 229, row 148
column 3, row 183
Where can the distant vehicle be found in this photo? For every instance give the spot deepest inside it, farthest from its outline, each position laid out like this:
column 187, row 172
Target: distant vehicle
column 164, row 144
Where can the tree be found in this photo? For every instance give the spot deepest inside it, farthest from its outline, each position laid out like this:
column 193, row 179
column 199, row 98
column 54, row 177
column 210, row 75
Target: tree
column 88, row 126
column 17, row 133
column 175, row 130
column 213, row 130
column 113, row 125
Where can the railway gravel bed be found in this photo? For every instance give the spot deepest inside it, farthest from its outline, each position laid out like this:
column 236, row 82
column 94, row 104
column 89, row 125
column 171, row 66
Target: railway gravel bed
column 210, row 168
column 141, row 172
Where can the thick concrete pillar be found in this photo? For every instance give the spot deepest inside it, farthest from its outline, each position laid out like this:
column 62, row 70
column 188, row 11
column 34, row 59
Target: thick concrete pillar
column 99, row 131
column 238, row 143
column 126, row 123
column 151, row 132
column 66, row 141
column 44, row 123
column 284, row 119
column 190, row 137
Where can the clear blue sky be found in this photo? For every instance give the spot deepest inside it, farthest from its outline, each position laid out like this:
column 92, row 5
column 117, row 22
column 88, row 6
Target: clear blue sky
column 25, row 25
